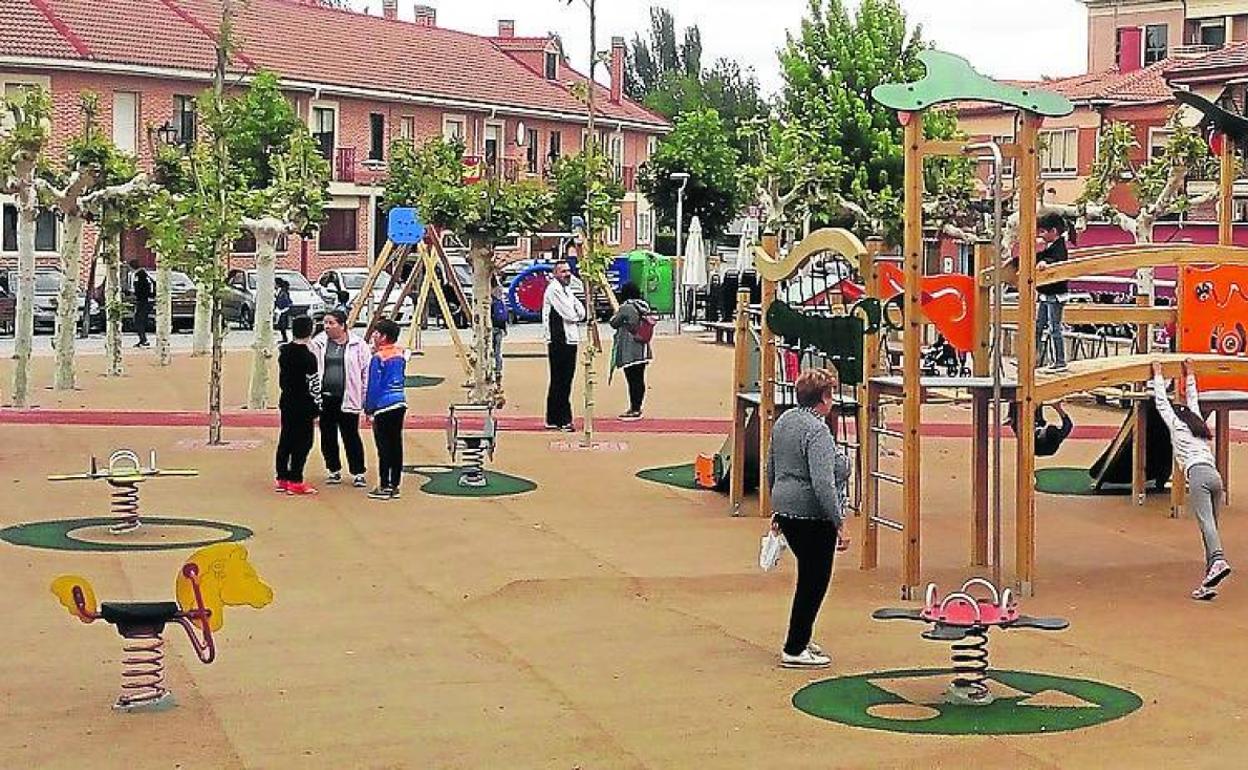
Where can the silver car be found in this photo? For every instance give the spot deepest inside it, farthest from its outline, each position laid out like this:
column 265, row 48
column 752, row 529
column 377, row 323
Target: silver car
column 238, row 302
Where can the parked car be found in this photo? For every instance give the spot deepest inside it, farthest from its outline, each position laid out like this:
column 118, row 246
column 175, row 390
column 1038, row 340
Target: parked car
column 47, row 295
column 352, row 280
column 182, row 294
column 238, row 302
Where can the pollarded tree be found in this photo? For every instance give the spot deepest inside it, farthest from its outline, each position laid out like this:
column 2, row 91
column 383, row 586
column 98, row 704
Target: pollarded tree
column 570, row 177
column 698, row 146
column 21, row 150
column 430, row 178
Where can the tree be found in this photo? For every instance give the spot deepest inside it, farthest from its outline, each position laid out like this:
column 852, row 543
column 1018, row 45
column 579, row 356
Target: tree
column 651, row 61
column 21, row 150
column 570, row 175
column 699, row 147
column 430, row 178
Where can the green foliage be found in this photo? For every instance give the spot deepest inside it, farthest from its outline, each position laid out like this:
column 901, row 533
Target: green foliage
column 262, row 125
column 651, row 61
column 430, row 178
column 570, row 175
column 29, row 112
column 698, row 146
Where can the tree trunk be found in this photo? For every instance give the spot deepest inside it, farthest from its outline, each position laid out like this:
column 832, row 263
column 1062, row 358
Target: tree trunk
column 164, row 312
column 201, row 335
column 266, row 231
column 67, row 303
column 24, row 329
column 214, row 376
column 591, row 352
column 112, row 305
column 485, row 386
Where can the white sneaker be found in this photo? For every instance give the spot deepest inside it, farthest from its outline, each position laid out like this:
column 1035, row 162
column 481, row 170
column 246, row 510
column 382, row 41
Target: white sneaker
column 1203, row 594
column 805, row 659
column 333, row 477
column 359, row 481
column 816, row 649
column 1218, row 571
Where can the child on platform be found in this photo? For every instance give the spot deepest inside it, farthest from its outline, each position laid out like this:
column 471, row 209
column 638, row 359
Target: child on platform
column 386, row 403
column 299, row 404
column 1190, row 436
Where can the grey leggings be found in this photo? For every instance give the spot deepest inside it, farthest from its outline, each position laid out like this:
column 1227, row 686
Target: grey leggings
column 1205, row 487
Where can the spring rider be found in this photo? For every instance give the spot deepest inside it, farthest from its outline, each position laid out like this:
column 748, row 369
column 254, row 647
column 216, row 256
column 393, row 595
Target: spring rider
column 964, row 620
column 124, row 474
column 211, row 578
column 471, row 435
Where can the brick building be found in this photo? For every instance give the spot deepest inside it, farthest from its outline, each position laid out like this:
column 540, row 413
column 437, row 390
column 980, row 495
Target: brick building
column 359, row 81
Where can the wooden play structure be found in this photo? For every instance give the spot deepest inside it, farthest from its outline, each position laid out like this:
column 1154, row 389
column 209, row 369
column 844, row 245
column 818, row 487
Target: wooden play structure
column 968, row 311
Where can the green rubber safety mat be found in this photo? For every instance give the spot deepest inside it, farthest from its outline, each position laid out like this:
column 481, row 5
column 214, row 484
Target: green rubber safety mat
column 422, row 381
column 443, row 480
column 1076, row 481
column 912, row 701
column 680, row 476
column 69, row 534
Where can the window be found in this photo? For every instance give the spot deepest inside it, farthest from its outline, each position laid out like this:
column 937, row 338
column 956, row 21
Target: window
column 407, row 128
column 1007, row 164
column 493, row 143
column 325, row 129
column 552, row 65
column 1157, row 140
column 531, row 141
column 652, row 146
column 47, row 230
column 616, row 149
column 126, row 121
column 556, row 146
column 184, row 120
column 1060, row 153
column 246, row 244
column 1156, row 39
column 376, row 136
column 645, row 227
column 453, row 130
column 613, row 232
column 338, row 233
column 1213, row 33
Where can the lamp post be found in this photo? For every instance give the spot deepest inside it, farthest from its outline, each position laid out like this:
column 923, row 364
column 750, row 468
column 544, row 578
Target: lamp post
column 683, row 178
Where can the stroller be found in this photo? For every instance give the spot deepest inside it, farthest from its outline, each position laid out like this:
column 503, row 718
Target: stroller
column 941, row 359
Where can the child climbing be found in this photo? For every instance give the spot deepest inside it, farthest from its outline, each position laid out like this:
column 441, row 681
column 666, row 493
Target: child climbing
column 1190, row 436
column 1048, row 437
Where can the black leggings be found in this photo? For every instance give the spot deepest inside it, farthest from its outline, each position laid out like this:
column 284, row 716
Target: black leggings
column 562, row 358
column 813, row 542
column 293, row 444
column 333, row 422
column 388, row 435
column 636, row 376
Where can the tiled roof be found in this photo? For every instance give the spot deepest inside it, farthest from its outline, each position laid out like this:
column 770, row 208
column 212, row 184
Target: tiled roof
column 521, row 43
column 1144, row 86
column 1231, row 55
column 299, row 41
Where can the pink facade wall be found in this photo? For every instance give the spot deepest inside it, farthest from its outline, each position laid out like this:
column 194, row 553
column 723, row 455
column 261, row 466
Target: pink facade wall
column 1102, row 32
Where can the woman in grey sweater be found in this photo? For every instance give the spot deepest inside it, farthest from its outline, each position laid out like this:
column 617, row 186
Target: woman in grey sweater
column 805, row 470
column 631, row 353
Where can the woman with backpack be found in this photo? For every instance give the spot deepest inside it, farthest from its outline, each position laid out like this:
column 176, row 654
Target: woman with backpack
column 634, row 328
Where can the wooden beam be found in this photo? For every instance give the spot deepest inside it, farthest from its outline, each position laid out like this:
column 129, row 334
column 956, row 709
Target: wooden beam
column 1090, row 374
column 1226, row 192
column 366, row 292
column 1089, row 313
column 869, row 415
column 1174, row 254
column 1139, row 451
column 912, row 412
column 1222, row 447
column 936, row 148
column 740, row 415
column 1028, row 169
column 767, row 384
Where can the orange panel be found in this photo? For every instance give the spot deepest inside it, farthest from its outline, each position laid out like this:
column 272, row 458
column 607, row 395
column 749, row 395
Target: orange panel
column 948, row 301
column 1213, row 312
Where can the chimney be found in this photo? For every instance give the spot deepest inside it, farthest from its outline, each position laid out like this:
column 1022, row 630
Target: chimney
column 506, row 28
column 390, row 9
column 426, row 16
column 617, row 69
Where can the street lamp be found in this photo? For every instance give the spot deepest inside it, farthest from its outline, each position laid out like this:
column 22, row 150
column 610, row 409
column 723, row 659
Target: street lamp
column 683, row 178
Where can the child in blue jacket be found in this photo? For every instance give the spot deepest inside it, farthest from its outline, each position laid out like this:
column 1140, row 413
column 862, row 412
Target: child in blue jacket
column 386, row 402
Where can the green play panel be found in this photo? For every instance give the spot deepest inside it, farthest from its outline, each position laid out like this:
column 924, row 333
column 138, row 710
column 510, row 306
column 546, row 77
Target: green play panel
column 680, row 476
column 444, row 480
column 90, row 534
column 1075, row 481
column 422, row 381
column 911, row 701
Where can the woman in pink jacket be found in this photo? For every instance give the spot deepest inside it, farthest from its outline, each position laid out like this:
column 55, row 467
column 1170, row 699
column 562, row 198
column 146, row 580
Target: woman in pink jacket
column 342, row 359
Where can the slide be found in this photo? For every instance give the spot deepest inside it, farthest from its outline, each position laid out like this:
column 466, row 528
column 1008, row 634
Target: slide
column 1114, row 466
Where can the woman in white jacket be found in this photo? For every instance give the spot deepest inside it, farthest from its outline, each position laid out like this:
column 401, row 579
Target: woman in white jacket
column 342, row 359
column 1190, row 436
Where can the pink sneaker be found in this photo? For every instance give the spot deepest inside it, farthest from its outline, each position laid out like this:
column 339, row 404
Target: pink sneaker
column 301, row 488
column 281, row 486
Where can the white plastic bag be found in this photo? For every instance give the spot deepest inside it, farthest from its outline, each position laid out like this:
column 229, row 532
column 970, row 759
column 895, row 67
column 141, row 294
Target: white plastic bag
column 772, row 547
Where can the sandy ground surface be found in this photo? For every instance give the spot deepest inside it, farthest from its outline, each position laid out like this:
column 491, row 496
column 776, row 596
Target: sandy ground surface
column 598, row 622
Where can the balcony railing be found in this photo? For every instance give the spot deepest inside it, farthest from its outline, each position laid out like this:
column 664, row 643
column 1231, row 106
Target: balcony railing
column 344, row 164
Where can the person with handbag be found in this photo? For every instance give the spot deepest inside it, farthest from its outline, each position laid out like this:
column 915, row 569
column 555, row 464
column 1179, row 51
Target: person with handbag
column 805, row 470
column 634, row 328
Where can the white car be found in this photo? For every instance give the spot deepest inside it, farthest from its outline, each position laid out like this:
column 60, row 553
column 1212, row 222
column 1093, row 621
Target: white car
column 352, row 280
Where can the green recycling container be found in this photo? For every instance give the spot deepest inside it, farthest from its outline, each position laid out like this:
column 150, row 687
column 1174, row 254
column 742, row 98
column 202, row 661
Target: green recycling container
column 653, row 274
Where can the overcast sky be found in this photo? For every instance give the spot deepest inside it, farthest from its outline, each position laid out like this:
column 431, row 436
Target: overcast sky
column 1004, row 38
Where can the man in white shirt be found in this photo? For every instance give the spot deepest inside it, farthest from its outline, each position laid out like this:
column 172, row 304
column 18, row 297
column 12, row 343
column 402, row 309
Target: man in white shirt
column 562, row 314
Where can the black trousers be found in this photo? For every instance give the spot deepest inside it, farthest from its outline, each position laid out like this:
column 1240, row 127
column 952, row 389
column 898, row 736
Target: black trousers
column 142, row 312
column 562, row 358
column 334, row 421
column 636, row 376
column 388, row 435
column 294, row 443
column 813, row 542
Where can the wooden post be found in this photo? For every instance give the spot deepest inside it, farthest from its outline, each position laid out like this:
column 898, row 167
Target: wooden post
column 1139, row 450
column 1226, row 192
column 981, row 367
column 913, row 400
column 767, row 381
column 740, row 409
column 1222, row 448
column 1025, row 465
column 1144, row 332
column 868, row 416
column 366, row 292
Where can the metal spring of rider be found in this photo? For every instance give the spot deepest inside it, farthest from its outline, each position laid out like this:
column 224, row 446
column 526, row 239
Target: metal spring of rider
column 472, row 455
column 125, row 506
column 970, row 663
column 143, row 670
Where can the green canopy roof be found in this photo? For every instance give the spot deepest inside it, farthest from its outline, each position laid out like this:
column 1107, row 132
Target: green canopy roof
column 951, row 78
